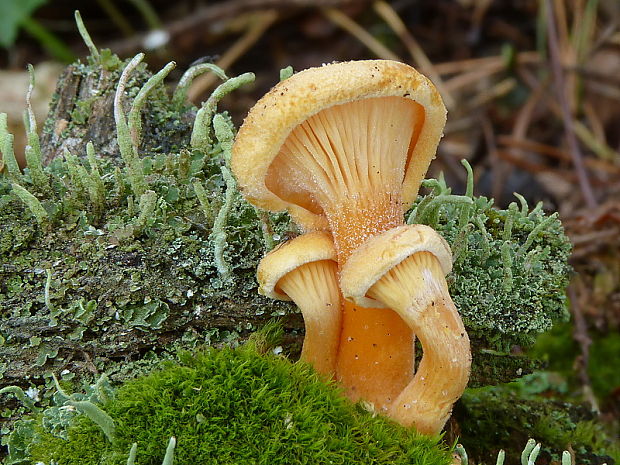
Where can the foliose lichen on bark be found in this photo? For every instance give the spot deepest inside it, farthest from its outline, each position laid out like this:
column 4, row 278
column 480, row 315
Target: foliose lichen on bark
column 135, row 255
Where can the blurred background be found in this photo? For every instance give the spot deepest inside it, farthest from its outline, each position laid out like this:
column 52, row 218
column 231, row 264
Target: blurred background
column 532, row 88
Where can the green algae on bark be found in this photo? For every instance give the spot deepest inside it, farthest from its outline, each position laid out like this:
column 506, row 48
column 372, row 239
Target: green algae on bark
column 138, row 254
column 129, row 272
column 505, row 416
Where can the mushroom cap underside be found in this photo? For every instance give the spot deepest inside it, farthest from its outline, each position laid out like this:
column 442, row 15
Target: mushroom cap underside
column 289, row 255
column 381, row 253
column 296, row 99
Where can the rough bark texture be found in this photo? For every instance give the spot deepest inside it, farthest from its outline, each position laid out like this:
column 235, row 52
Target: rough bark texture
column 117, row 283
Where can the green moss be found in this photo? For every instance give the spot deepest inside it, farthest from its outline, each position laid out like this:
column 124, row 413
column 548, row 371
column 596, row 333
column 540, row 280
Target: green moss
column 237, row 406
column 506, row 416
column 605, row 376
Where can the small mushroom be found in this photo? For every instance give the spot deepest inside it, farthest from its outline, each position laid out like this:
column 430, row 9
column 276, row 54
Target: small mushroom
column 304, row 270
column 405, row 269
column 344, row 147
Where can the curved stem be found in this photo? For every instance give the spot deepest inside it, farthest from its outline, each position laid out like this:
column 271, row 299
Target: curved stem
column 416, row 289
column 376, row 354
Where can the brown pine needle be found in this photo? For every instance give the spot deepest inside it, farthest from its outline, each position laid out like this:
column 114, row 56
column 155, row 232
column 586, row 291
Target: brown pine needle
column 582, row 176
column 420, row 59
column 345, row 22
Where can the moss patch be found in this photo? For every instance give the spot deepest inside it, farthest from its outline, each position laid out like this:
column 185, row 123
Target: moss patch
column 506, row 416
column 239, row 407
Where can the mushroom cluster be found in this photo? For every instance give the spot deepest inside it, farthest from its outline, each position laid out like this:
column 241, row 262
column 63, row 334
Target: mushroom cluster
column 343, row 148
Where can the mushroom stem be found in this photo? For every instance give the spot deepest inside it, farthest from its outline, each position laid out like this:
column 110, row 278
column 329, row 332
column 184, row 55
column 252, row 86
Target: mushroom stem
column 375, row 361
column 314, row 289
column 416, row 288
column 376, row 356
column 352, row 158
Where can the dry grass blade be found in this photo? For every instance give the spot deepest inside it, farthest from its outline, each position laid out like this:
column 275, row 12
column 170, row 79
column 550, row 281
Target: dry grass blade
column 357, row 31
column 420, row 59
column 259, row 23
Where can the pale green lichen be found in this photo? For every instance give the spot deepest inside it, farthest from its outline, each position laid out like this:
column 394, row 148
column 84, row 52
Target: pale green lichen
column 134, row 119
column 510, row 266
column 201, row 134
column 33, row 204
column 34, row 158
column 126, row 143
column 6, row 148
column 180, row 93
column 148, row 203
column 148, row 250
column 286, row 73
column 94, row 51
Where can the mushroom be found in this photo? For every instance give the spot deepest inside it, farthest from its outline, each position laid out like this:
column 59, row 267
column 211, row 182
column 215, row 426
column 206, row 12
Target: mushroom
column 304, row 270
column 344, row 147
column 404, row 268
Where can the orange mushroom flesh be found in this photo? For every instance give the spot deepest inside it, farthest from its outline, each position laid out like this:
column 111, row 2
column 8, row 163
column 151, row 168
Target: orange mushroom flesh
column 356, row 180
column 304, row 270
column 343, row 148
column 405, row 270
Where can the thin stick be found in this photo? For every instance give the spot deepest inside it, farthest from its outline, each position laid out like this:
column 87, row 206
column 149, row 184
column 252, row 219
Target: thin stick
column 259, row 24
column 580, row 335
column 584, row 182
column 389, row 15
column 345, row 22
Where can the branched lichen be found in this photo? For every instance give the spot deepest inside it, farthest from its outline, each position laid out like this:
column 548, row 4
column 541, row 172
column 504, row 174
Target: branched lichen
column 134, row 119
column 6, row 148
column 201, row 134
column 510, row 266
column 180, row 93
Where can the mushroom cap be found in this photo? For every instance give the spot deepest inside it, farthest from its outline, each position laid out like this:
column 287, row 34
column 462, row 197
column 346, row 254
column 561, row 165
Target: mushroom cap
column 306, row 93
column 381, row 253
column 288, row 256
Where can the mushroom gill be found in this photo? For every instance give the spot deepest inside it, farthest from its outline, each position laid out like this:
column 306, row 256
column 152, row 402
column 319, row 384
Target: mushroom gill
column 348, row 162
column 304, row 270
column 314, row 289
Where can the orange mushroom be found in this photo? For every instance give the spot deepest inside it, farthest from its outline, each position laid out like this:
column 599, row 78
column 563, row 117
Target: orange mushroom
column 343, row 148
column 304, row 270
column 404, row 268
